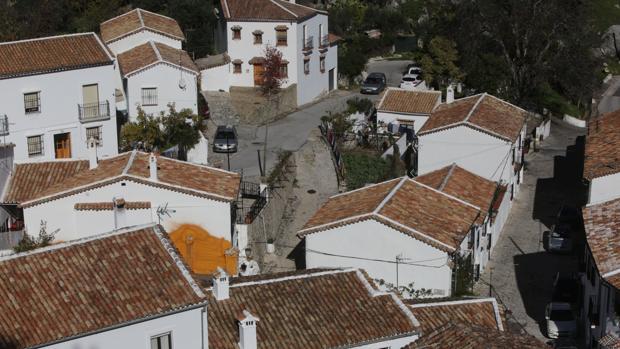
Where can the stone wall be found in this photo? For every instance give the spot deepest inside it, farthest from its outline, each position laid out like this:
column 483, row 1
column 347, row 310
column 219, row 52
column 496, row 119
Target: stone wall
column 248, row 103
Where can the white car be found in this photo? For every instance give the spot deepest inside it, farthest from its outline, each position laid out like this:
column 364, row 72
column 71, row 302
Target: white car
column 411, row 82
column 560, row 320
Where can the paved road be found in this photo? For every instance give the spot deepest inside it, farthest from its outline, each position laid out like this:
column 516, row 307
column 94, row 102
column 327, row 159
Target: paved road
column 522, row 271
column 610, row 100
column 393, row 70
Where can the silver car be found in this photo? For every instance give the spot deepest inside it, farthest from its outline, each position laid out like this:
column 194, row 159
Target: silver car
column 225, row 140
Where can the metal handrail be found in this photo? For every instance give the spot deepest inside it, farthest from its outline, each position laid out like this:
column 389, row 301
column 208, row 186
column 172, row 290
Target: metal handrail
column 4, row 125
column 309, row 42
column 90, row 111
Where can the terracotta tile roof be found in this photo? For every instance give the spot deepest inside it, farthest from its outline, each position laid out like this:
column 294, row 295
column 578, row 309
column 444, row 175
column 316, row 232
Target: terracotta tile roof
column 172, row 174
column 333, row 38
column 602, row 225
column 138, row 20
column 266, row 10
column 75, row 288
column 602, row 155
column 52, row 54
column 109, row 206
column 310, row 310
column 458, row 182
column 465, row 336
column 483, row 112
column 28, row 180
column 483, row 312
column 150, row 53
column 408, row 206
column 408, row 102
column 609, row 341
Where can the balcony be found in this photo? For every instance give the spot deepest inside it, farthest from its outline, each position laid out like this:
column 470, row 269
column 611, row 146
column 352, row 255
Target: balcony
column 324, row 44
column 4, row 125
column 94, row 111
column 308, row 44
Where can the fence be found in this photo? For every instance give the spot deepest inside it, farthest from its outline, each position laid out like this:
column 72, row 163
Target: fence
column 246, row 215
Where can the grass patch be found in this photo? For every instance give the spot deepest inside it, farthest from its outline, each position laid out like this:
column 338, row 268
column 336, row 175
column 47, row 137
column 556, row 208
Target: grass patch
column 363, row 168
column 557, row 104
column 605, row 13
column 613, row 65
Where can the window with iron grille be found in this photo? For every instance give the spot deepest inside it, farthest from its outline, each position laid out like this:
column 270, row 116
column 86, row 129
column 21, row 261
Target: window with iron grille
column 162, row 341
column 322, row 64
column 94, row 132
column 149, row 96
column 283, row 70
column 236, row 33
column 281, row 37
column 258, row 38
column 35, row 145
column 237, row 68
column 32, row 102
column 307, row 66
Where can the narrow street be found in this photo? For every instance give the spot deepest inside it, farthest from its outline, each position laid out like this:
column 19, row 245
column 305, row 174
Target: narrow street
column 521, row 272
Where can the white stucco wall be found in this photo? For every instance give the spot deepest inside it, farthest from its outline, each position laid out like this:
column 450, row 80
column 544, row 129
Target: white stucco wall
column 418, row 119
column 60, row 95
column 372, row 240
column 139, row 38
column 214, row 216
column 186, row 330
column 166, row 78
column 473, row 150
column 216, row 78
column 604, row 188
column 99, row 222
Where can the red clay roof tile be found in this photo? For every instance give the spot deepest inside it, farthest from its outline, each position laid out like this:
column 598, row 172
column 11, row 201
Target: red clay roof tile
column 138, row 20
column 602, row 155
column 602, row 225
column 266, row 10
column 149, row 53
column 408, row 102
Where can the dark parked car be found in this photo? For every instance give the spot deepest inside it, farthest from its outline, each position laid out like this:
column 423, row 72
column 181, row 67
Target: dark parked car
column 225, row 140
column 561, row 239
column 374, row 83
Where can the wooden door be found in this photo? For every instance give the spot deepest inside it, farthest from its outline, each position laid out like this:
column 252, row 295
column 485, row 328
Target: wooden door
column 259, row 71
column 62, row 145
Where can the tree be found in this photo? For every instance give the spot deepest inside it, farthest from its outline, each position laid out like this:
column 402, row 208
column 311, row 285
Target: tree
column 181, row 129
column 145, row 133
column 28, row 243
column 439, row 63
column 346, row 16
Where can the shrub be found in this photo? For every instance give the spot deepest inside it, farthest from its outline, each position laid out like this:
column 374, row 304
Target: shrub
column 363, row 168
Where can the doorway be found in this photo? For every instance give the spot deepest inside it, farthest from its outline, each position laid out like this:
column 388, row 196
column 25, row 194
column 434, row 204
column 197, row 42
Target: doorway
column 332, row 72
column 62, row 145
column 90, row 99
column 259, row 72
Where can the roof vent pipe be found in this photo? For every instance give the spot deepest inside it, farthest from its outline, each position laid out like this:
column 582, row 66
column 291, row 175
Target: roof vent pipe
column 153, row 167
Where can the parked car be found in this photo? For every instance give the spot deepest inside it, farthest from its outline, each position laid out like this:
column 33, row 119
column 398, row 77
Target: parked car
column 410, row 81
column 566, row 288
column 560, row 320
column 561, row 239
column 374, row 83
column 225, row 140
column 565, row 343
column 413, row 68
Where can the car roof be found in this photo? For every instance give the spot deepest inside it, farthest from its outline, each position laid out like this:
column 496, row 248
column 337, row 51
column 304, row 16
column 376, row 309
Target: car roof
column 377, row 75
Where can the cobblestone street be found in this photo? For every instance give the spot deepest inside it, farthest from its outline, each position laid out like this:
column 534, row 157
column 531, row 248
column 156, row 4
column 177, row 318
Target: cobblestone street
column 521, row 272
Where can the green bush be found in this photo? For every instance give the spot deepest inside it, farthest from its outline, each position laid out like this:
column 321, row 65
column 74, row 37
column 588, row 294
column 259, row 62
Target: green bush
column 556, row 103
column 363, row 168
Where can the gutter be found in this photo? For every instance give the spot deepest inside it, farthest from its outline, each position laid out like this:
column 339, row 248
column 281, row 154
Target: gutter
column 120, row 325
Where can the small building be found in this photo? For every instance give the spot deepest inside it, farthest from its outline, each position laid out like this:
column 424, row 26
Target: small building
column 402, row 232
column 308, row 309
column 58, row 93
column 300, row 33
column 125, row 190
column 123, row 289
column 137, row 27
column 398, row 108
column 602, row 158
column 156, row 76
column 482, row 133
column 601, row 280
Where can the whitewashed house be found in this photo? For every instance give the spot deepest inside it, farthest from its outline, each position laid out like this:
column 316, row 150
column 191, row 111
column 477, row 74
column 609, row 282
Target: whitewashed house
column 309, row 52
column 128, row 189
column 308, row 309
column 57, row 93
column 124, row 289
column 401, row 231
column 155, row 76
column 404, row 108
column 602, row 158
column 481, row 133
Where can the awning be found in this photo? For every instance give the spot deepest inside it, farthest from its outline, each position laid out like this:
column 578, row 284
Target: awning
column 281, row 27
column 257, row 32
column 237, row 61
column 257, row 60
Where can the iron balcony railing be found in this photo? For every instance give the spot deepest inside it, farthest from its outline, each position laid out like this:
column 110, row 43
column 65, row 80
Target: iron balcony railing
column 4, row 125
column 94, row 111
column 325, row 40
column 308, row 43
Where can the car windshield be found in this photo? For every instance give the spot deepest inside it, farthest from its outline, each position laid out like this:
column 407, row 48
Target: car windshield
column 561, row 315
column 373, row 80
column 409, row 79
column 225, row 134
column 416, row 71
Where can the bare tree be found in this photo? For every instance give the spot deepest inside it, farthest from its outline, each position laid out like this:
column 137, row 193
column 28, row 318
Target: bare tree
column 273, row 76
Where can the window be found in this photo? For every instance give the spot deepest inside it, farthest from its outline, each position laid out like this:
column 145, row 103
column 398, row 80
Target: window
column 281, row 36
column 149, row 96
column 284, row 70
column 94, row 132
column 322, row 64
column 258, row 37
column 236, row 33
column 32, row 102
column 307, row 66
column 162, row 341
column 35, row 145
column 237, row 67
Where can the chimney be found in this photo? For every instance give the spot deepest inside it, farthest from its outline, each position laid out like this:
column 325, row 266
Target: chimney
column 92, row 153
column 120, row 213
column 220, row 285
column 153, row 167
column 449, row 94
column 247, row 330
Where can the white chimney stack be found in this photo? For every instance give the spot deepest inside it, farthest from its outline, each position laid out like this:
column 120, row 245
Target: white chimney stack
column 450, row 94
column 220, row 285
column 247, row 330
column 92, row 153
column 153, row 167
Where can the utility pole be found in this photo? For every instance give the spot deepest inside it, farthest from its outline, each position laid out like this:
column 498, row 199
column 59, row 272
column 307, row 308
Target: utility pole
column 227, row 150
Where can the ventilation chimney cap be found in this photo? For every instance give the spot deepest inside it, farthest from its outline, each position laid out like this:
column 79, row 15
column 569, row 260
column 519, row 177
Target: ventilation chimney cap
column 221, row 289
column 247, row 330
column 92, row 153
column 153, row 167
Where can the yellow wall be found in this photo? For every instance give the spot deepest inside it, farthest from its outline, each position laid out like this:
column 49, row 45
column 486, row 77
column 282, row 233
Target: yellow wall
column 203, row 252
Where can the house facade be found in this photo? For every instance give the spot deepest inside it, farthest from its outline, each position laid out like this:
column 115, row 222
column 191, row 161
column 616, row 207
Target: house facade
column 300, row 33
column 54, row 104
column 410, row 109
column 402, row 232
column 481, row 133
column 77, row 304
column 602, row 164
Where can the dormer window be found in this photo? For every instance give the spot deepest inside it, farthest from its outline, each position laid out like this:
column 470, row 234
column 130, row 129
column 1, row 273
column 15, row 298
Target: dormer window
column 236, row 32
column 258, row 37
